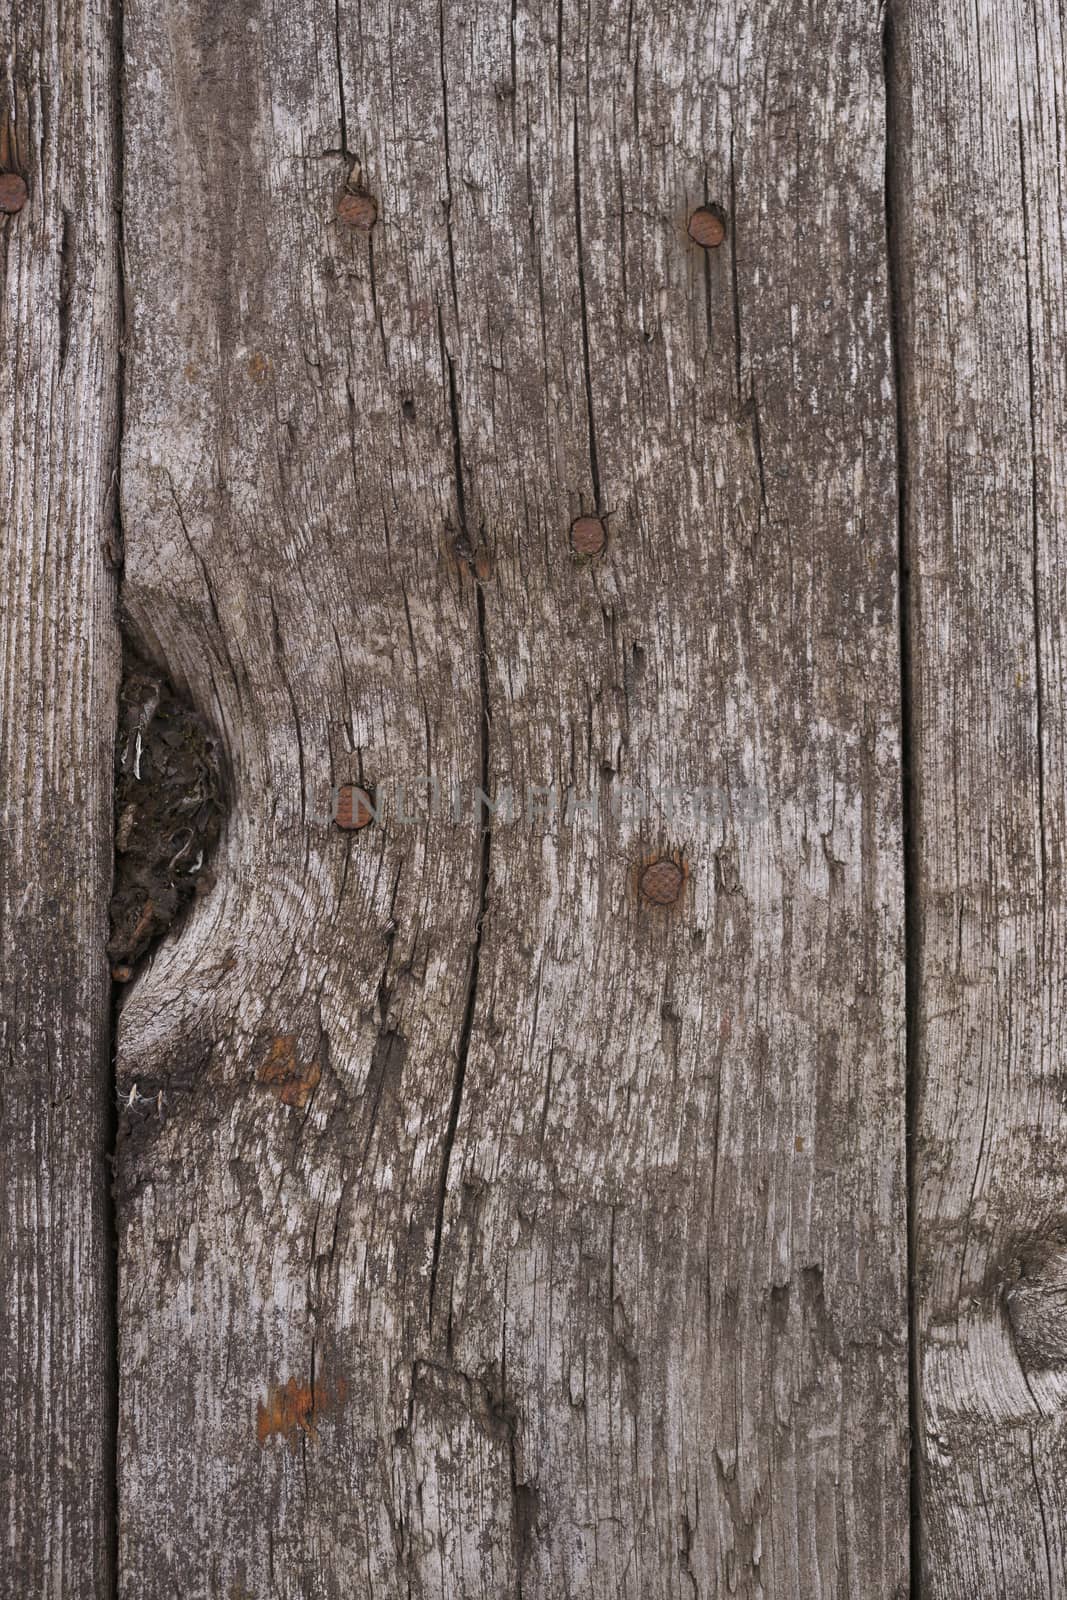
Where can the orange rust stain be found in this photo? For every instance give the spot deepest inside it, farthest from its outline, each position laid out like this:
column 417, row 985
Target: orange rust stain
column 292, row 1408
column 292, row 1083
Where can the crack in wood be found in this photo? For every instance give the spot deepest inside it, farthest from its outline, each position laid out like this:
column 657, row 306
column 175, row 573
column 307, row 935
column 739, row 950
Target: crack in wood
column 594, row 465
column 67, row 264
column 484, row 722
column 448, row 199
column 909, row 806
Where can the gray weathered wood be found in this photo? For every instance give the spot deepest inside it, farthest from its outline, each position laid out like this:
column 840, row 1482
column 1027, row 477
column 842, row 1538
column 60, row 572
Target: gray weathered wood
column 979, row 178
column 580, row 1270
column 59, row 345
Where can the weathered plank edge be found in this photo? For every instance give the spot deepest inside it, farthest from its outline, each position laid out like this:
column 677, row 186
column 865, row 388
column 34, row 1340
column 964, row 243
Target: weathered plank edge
column 59, row 405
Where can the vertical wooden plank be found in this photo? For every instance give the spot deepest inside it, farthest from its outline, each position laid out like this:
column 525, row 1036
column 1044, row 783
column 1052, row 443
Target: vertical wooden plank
column 574, row 1260
column 290, row 507
column 979, row 224
column 59, row 341
column 686, row 1124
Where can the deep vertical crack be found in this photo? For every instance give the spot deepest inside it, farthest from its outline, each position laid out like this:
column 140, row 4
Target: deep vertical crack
column 734, row 287
column 594, row 466
column 467, row 1024
column 909, row 796
column 447, row 144
column 340, row 81
column 464, row 549
column 67, row 270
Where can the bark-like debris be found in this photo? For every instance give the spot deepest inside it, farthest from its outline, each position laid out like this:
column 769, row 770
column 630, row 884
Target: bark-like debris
column 168, row 811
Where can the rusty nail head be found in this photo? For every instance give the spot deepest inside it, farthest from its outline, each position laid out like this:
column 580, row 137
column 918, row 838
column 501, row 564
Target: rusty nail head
column 354, row 808
column 358, row 210
column 707, row 226
column 588, row 537
column 661, row 882
column 12, row 192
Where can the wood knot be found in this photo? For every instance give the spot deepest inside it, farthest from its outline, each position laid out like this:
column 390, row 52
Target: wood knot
column 1037, row 1306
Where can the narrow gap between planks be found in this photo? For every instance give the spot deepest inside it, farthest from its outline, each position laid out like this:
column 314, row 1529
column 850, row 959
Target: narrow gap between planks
column 111, row 1131
column 894, row 183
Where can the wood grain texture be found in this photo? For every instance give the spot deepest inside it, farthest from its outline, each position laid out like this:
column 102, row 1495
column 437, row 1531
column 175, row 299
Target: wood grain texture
column 485, row 1230
column 979, row 176
column 59, row 343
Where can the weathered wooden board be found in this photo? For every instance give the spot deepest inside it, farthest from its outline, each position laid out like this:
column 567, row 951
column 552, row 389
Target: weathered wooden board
column 484, row 1228
column 59, row 347
column 979, row 207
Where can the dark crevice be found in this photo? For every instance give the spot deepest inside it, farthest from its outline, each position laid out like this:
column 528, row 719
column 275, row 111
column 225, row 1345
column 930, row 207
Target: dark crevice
column 379, row 319
column 735, row 289
column 66, row 285
column 594, row 468
column 446, row 140
column 340, row 80
column 757, row 448
column 111, row 1229
column 512, row 52
column 524, row 1505
column 168, row 811
column 467, row 1024
column 524, row 1496
column 908, row 757
column 751, row 405
column 706, row 263
column 114, row 549
column 1045, row 1540
column 283, row 671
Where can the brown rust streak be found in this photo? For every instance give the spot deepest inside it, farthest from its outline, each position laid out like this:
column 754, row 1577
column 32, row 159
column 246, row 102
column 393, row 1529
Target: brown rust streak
column 290, row 1081
column 292, row 1408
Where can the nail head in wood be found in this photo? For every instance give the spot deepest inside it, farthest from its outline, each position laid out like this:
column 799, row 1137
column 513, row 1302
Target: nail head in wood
column 13, row 193
column 354, row 808
column 588, row 536
column 707, row 227
column 661, row 882
column 357, row 210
